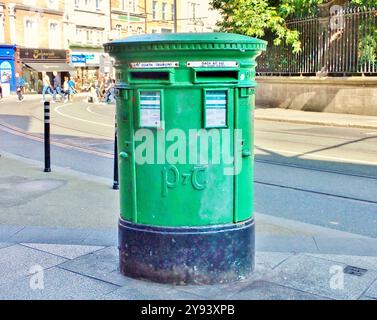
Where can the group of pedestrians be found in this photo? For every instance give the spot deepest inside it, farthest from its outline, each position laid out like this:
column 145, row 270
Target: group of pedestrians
column 102, row 90
column 66, row 91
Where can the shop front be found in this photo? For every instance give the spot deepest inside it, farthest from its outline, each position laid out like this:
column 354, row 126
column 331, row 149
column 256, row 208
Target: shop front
column 35, row 62
column 7, row 69
column 87, row 67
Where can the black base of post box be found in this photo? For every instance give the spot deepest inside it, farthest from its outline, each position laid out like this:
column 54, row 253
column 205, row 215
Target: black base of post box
column 187, row 255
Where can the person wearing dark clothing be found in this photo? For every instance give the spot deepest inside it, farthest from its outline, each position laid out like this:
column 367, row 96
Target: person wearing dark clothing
column 1, row 91
column 20, row 84
column 57, row 85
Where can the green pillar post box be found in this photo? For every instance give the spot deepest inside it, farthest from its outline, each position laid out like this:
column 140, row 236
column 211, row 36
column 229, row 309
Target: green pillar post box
column 185, row 139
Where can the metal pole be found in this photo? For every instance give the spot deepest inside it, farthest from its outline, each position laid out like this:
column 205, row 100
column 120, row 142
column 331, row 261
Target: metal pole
column 116, row 178
column 47, row 136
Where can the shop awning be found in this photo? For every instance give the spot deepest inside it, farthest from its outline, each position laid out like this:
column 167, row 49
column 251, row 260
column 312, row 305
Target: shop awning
column 50, row 67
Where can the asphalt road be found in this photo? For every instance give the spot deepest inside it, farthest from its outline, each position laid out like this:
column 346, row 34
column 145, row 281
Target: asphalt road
column 321, row 175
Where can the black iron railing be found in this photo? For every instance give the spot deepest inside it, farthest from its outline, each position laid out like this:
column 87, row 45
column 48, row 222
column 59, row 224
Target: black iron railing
column 343, row 42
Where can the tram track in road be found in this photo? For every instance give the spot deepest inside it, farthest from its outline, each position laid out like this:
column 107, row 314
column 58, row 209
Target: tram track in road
column 296, row 166
column 315, row 192
column 19, row 132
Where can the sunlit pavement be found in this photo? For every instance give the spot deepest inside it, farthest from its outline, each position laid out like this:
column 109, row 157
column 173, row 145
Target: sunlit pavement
column 316, row 214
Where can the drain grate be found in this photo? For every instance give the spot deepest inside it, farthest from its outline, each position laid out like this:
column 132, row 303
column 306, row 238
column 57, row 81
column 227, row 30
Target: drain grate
column 356, row 271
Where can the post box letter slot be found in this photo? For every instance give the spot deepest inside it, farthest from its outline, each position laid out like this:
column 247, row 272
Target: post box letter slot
column 149, row 75
column 219, row 75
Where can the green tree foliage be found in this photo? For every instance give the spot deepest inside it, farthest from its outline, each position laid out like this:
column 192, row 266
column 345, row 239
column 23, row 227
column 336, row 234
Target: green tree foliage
column 256, row 17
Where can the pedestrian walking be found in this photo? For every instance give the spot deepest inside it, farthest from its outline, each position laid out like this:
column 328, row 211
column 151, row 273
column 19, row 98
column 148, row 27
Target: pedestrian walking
column 1, row 91
column 46, row 87
column 66, row 89
column 110, row 93
column 20, row 84
column 57, row 85
column 71, row 88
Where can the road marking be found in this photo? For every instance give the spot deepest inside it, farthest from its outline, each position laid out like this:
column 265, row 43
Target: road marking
column 322, row 157
column 89, row 109
column 57, row 110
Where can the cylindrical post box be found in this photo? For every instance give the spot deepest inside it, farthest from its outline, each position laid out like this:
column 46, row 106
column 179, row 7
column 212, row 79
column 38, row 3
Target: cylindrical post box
column 185, row 140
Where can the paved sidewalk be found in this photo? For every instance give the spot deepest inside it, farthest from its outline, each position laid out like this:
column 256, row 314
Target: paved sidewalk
column 58, row 238
column 317, row 118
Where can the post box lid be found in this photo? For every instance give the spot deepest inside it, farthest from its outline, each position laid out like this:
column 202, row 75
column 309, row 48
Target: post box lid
column 188, row 41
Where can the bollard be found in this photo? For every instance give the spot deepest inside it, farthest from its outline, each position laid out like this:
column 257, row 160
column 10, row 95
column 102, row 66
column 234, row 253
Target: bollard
column 115, row 179
column 47, row 136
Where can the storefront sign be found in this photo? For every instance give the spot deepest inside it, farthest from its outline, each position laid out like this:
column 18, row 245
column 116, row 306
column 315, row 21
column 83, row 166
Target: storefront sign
column 78, row 58
column 91, row 58
column 42, row 54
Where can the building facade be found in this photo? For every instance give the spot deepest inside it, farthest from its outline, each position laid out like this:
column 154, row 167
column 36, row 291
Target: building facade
column 196, row 16
column 87, row 27
column 128, row 17
column 161, row 16
column 39, row 36
column 34, row 28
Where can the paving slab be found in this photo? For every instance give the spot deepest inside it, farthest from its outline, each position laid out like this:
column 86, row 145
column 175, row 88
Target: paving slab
column 321, row 277
column 16, row 261
column 108, row 237
column 6, row 244
column 347, row 246
column 372, row 291
column 7, row 231
column 57, row 284
column 367, row 298
column 364, row 262
column 264, row 290
column 285, row 243
column 264, row 264
column 63, row 250
column 270, row 259
column 142, row 290
column 102, row 264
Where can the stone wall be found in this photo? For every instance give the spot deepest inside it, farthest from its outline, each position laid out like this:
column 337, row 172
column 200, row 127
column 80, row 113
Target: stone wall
column 353, row 95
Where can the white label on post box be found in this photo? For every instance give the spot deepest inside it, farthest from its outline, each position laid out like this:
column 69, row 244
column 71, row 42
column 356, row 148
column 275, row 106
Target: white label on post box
column 212, row 64
column 155, row 64
column 150, row 109
column 216, row 107
column 216, row 118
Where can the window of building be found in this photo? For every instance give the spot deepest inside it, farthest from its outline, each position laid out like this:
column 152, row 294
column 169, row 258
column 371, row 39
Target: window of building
column 80, row 34
column 54, row 35
column 134, row 6
column 154, row 10
column 77, row 3
column 164, row 11
column 31, row 37
column 99, row 37
column 98, row 4
column 172, row 12
column 89, row 36
column 193, row 12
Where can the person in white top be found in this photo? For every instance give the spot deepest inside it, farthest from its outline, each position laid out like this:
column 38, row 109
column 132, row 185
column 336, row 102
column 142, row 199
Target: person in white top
column 46, row 86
